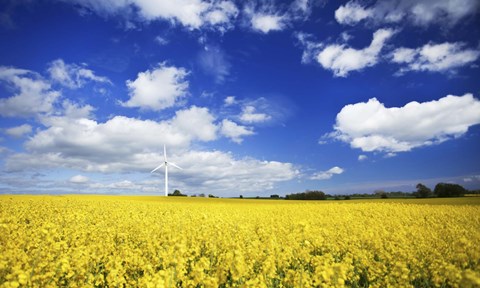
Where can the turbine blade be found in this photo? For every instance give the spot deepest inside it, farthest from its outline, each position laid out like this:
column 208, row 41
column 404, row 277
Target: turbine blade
column 165, row 152
column 159, row 166
column 175, row 165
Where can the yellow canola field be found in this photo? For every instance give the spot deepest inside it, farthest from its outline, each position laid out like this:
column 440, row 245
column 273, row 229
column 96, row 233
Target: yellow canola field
column 114, row 241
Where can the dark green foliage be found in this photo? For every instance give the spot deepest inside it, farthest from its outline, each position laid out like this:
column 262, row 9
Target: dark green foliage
column 176, row 193
column 449, row 190
column 422, row 191
column 308, row 195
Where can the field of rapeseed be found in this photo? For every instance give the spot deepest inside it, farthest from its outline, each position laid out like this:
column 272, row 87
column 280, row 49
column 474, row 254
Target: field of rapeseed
column 98, row 241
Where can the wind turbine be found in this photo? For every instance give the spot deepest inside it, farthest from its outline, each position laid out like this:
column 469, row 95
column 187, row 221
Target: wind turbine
column 166, row 164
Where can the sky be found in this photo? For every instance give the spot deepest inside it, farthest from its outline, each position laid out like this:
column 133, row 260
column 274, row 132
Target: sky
column 251, row 98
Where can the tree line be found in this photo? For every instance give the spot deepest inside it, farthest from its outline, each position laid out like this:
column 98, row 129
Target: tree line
column 441, row 190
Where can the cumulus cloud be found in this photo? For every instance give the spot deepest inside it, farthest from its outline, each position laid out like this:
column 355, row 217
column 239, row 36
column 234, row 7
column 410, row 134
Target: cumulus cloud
column 19, row 131
column 325, row 175
column 221, row 15
column 33, row 94
column 362, row 157
column 342, row 59
column 192, row 14
column 435, row 57
column 415, row 12
column 79, row 179
column 234, row 131
column 266, row 23
column 157, row 89
column 72, row 75
column 229, row 100
column 220, row 171
column 259, row 111
column 116, row 145
column 352, row 13
column 265, row 19
column 250, row 115
column 196, row 122
column 371, row 126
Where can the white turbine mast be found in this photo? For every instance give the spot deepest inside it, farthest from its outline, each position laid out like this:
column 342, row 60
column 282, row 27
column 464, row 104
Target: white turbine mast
column 166, row 164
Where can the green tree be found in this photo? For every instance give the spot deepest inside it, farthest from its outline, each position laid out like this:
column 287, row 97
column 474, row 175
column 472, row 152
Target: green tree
column 449, row 190
column 422, row 191
column 177, row 193
column 307, row 195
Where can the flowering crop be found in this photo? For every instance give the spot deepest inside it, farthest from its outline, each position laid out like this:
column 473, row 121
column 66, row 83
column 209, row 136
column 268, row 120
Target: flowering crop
column 114, row 241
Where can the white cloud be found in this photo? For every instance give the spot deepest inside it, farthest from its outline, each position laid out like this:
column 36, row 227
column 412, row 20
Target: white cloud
column 79, row 179
column 266, row 22
column 161, row 40
column 119, row 144
column 435, row 57
column 234, row 131
column 72, row 75
column 371, row 126
column 33, row 96
column 342, row 59
column 222, row 15
column 229, row 100
column 192, row 14
column 415, row 12
column 302, row 9
column 325, row 175
column 213, row 61
column 215, row 172
column 362, row 157
column 196, row 123
column 265, row 18
column 249, row 115
column 474, row 178
column 158, row 88
column 219, row 171
column 352, row 13
column 19, row 131
column 302, row 6
column 310, row 47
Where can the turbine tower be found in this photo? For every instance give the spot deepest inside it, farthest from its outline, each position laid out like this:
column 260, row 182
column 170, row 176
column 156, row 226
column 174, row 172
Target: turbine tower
column 166, row 164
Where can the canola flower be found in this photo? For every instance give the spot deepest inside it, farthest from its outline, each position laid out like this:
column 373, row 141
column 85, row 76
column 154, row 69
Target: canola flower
column 114, row 241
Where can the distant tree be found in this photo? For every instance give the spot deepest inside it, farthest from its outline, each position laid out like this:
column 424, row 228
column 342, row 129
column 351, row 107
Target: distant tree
column 307, row 195
column 449, row 190
column 422, row 191
column 177, row 193
column 275, row 196
column 347, row 197
column 201, row 195
column 212, row 196
column 258, row 197
column 241, row 196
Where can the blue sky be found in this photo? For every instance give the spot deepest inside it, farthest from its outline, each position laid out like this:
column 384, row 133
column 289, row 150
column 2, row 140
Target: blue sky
column 250, row 97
